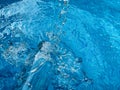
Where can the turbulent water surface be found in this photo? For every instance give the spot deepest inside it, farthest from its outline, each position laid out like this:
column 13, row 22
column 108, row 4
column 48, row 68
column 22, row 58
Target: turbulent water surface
column 59, row 44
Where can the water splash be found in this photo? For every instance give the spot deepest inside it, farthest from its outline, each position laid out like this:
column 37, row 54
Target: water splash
column 59, row 45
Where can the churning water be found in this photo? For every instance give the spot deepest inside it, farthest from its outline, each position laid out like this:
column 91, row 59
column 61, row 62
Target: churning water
column 59, row 44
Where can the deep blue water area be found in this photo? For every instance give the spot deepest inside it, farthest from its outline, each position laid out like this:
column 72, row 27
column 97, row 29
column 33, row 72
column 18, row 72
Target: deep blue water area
column 59, row 44
column 4, row 3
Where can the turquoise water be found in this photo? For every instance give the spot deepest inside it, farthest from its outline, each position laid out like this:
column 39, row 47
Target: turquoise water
column 60, row 45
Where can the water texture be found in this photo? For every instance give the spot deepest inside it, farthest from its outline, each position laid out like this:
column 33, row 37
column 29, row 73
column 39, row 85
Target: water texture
column 59, row 44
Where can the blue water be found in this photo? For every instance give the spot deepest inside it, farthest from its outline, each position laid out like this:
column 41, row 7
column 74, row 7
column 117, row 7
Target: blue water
column 59, row 44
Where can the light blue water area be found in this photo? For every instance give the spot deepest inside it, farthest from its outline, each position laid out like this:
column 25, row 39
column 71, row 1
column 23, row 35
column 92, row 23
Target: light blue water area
column 60, row 45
